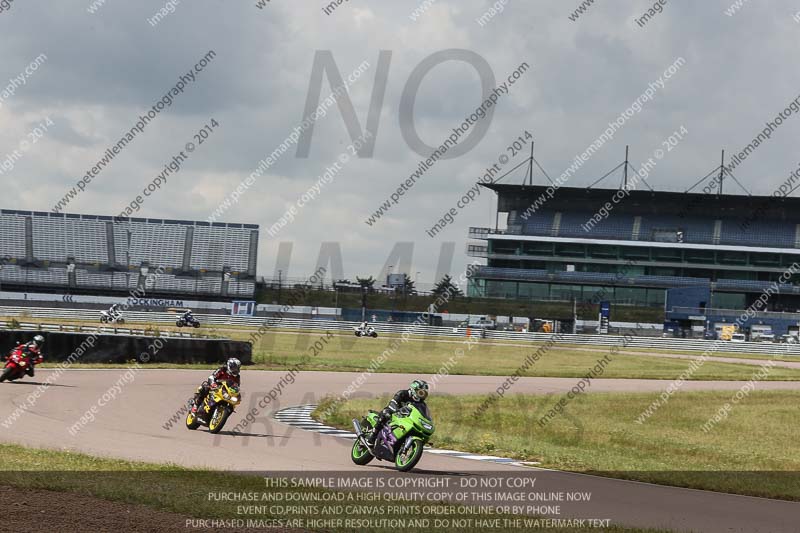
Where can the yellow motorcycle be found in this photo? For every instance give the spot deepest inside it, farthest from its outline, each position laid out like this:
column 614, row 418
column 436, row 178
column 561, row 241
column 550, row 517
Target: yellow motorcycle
column 217, row 406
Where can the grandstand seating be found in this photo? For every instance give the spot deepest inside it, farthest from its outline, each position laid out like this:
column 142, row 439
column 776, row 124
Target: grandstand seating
column 226, row 248
column 55, row 239
column 108, row 252
column 752, row 285
column 613, row 227
column 12, row 236
column 654, row 228
column 758, row 233
column 694, row 229
column 539, row 223
column 160, row 245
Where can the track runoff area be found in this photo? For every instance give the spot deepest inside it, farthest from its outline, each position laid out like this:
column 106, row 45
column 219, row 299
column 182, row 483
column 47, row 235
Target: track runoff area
column 288, row 469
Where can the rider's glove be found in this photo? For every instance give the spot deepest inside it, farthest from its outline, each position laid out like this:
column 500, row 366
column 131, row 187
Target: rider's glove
column 386, row 414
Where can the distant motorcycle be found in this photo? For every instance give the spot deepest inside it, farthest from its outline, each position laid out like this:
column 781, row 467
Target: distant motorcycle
column 368, row 332
column 111, row 318
column 188, row 322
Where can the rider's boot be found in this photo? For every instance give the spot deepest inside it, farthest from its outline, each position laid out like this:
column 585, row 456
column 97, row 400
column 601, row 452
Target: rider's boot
column 196, row 403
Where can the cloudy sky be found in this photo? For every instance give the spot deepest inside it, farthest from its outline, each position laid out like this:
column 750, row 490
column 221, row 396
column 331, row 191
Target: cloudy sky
column 104, row 69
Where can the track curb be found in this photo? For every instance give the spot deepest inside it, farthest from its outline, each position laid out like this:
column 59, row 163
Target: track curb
column 299, row 416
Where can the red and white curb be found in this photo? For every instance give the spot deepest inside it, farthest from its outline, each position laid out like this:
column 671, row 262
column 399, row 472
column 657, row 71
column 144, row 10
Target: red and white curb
column 300, row 417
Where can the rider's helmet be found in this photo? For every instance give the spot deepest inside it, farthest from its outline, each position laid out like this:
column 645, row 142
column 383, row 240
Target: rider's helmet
column 418, row 390
column 38, row 340
column 233, row 365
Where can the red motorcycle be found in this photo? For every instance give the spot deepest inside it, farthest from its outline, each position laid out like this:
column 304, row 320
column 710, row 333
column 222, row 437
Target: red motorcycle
column 17, row 364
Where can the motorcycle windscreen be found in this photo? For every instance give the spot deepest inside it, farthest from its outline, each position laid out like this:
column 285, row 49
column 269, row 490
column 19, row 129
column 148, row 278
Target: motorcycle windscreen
column 422, row 407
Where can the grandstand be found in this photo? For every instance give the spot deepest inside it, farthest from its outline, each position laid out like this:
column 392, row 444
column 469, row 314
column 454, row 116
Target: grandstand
column 94, row 254
column 732, row 247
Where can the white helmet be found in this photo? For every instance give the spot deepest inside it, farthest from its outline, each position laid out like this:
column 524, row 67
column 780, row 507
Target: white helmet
column 233, row 365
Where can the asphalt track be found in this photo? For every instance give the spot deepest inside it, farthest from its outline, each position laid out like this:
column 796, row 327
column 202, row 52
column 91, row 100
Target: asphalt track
column 132, row 426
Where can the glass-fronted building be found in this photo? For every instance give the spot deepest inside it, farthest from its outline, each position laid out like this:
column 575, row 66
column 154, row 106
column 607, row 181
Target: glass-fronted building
column 632, row 246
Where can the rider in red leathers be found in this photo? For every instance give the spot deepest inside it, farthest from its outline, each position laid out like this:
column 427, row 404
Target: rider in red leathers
column 227, row 372
column 32, row 351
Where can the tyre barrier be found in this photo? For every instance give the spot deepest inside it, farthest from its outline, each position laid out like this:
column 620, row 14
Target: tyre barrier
column 121, row 349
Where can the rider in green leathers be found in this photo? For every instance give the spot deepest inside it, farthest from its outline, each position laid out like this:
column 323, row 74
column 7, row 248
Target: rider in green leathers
column 416, row 393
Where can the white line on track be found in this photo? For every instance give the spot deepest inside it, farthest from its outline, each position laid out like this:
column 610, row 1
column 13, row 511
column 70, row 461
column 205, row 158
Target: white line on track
column 300, row 417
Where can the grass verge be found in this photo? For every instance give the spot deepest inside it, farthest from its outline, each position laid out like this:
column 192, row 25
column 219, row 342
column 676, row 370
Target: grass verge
column 187, row 491
column 281, row 350
column 263, row 347
column 427, row 355
column 754, row 451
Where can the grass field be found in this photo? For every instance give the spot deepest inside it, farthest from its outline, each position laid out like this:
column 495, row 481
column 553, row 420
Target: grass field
column 179, row 490
column 277, row 351
column 755, row 451
column 281, row 349
column 243, row 333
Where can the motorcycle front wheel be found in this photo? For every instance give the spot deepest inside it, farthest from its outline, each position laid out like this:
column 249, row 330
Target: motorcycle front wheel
column 405, row 461
column 218, row 419
column 6, row 374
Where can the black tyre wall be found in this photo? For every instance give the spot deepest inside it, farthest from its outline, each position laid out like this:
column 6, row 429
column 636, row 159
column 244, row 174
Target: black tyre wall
column 122, row 348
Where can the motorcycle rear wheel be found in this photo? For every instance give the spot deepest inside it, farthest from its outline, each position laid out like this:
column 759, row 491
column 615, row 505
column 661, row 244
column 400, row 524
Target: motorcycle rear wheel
column 360, row 454
column 191, row 421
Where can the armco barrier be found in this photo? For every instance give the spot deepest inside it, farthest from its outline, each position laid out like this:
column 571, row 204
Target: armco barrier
column 104, row 348
column 645, row 343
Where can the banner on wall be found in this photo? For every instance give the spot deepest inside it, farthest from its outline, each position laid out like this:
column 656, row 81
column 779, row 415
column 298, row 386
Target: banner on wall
column 243, row 308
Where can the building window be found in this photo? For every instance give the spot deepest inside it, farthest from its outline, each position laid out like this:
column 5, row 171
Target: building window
column 655, row 297
column 501, row 289
column 534, row 291
column 566, row 292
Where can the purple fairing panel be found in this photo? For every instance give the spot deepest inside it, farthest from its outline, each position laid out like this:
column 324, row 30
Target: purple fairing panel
column 388, row 436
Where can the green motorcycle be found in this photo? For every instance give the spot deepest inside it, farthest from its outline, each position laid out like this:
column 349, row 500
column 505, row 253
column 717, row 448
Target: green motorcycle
column 401, row 440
